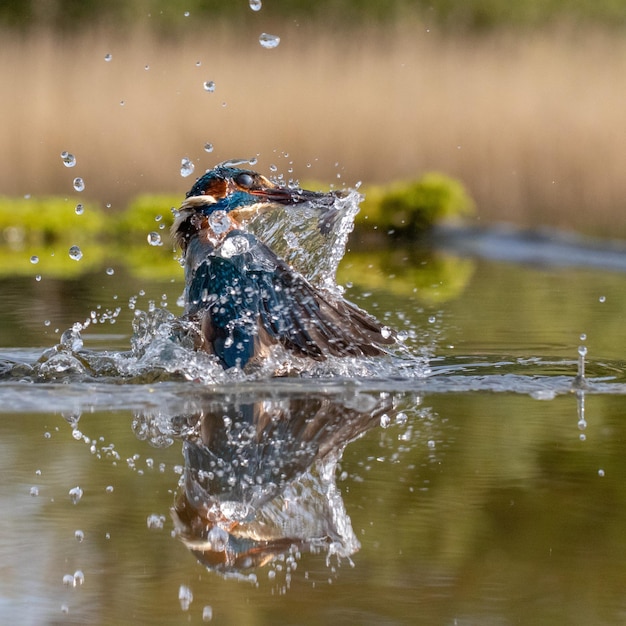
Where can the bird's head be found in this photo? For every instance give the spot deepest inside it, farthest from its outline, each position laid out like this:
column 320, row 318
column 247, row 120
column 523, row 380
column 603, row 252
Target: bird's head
column 226, row 197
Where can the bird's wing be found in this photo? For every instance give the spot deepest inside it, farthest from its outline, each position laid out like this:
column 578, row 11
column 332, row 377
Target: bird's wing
column 311, row 321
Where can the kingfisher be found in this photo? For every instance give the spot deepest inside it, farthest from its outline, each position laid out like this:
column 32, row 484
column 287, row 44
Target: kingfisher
column 242, row 296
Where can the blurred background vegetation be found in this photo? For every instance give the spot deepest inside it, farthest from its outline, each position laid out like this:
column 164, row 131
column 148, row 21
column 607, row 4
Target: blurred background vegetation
column 457, row 15
column 518, row 107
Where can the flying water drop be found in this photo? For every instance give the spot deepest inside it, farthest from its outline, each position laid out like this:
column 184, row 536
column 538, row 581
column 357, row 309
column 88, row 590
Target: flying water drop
column 69, row 160
column 209, row 86
column 186, row 167
column 34, row 259
column 108, row 57
column 79, row 184
column 76, row 253
column 154, row 239
column 185, row 597
column 269, row 41
column 80, row 209
column 256, row 5
column 208, row 147
column 76, row 493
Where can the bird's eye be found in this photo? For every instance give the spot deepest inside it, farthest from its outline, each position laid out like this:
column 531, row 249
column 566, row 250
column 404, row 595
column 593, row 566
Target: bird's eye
column 244, row 180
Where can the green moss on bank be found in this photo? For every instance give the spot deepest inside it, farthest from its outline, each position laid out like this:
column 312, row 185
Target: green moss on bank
column 402, row 208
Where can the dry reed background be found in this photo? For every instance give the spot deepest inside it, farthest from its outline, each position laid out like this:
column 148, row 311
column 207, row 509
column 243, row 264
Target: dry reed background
column 533, row 124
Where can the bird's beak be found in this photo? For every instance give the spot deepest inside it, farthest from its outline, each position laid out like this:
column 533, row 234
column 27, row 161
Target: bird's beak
column 286, row 196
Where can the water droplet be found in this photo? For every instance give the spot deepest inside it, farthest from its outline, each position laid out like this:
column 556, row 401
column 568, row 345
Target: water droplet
column 79, row 184
column 76, row 253
column 79, row 578
column 80, row 209
column 207, row 613
column 385, row 420
column 208, row 147
column 108, row 57
column 154, row 239
column 432, row 319
column 602, row 299
column 582, row 350
column 385, row 331
column 79, row 535
column 235, row 245
column 256, row 5
column 209, row 86
column 269, row 41
column 34, row 491
column 185, row 597
column 186, row 13
column 110, row 271
column 122, row 103
column 220, row 222
column 38, row 278
column 147, row 67
column 198, row 63
column 76, row 493
column 34, row 259
column 583, row 337
column 155, row 521
column 186, row 167
column 69, row 160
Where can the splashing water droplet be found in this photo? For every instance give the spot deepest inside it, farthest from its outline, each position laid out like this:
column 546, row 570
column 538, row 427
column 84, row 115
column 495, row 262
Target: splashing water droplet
column 186, row 167
column 209, row 86
column 220, row 222
column 154, row 239
column 207, row 613
column 34, row 259
column 80, row 209
column 76, row 493
column 208, row 147
column 155, row 521
column 79, row 535
column 69, row 160
column 76, row 253
column 269, row 41
column 185, row 597
column 110, row 271
column 34, row 491
column 108, row 57
column 79, row 184
column 385, row 331
column 256, row 5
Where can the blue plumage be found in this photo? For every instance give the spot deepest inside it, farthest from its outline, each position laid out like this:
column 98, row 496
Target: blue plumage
column 243, row 296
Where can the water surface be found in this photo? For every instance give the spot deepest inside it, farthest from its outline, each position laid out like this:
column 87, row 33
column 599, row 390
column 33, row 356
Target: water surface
column 475, row 479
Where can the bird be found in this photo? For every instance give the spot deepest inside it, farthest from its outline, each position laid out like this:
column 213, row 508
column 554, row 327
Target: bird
column 242, row 296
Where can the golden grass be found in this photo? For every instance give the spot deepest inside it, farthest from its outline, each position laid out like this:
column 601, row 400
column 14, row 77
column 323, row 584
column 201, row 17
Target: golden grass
column 534, row 125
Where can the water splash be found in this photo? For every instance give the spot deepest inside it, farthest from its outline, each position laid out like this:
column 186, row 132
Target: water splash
column 79, row 184
column 186, row 167
column 269, row 41
column 154, row 239
column 76, row 254
column 69, row 160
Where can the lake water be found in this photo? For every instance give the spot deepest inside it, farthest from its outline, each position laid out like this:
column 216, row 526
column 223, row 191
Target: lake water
column 479, row 481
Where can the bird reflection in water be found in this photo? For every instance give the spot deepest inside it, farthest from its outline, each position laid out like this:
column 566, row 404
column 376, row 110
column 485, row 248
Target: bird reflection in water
column 260, row 475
